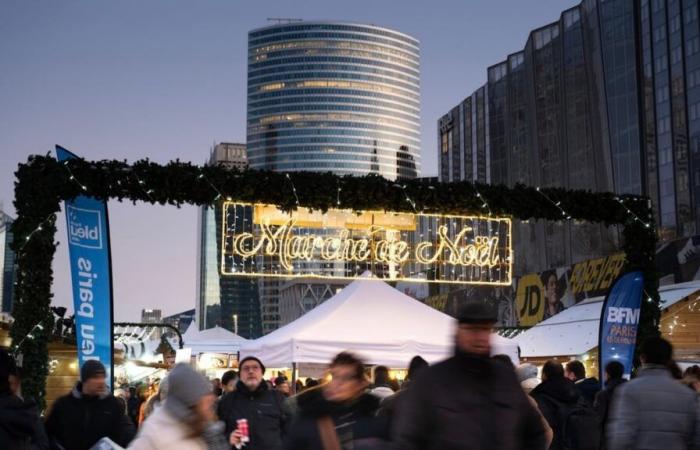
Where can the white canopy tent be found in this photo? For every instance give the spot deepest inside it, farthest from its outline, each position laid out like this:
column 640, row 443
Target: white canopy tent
column 373, row 320
column 213, row 340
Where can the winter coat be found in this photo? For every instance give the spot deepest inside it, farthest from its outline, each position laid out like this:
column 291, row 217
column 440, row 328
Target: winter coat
column 552, row 396
column 602, row 406
column 355, row 423
column 654, row 411
column 20, row 426
column 467, row 402
column 77, row 422
column 588, row 388
column 162, row 431
column 266, row 410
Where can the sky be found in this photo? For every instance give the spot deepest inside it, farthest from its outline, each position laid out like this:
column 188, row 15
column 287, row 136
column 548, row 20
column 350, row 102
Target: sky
column 166, row 79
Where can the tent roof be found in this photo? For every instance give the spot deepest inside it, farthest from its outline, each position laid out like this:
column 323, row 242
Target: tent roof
column 368, row 317
column 213, row 340
column 575, row 330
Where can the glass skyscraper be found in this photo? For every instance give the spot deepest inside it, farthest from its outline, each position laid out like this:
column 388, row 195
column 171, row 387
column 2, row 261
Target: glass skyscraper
column 333, row 97
column 336, row 97
column 229, row 302
column 8, row 264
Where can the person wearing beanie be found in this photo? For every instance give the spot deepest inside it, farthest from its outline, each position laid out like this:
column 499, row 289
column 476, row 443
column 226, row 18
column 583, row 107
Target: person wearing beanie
column 527, row 376
column 435, row 415
column 186, row 419
column 88, row 413
column 265, row 409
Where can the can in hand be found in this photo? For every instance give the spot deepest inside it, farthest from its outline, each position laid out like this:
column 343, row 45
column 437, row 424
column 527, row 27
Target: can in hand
column 243, row 428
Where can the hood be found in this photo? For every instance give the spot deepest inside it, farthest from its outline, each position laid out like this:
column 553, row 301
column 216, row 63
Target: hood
column 78, row 393
column 242, row 389
column 17, row 417
column 314, row 404
column 560, row 389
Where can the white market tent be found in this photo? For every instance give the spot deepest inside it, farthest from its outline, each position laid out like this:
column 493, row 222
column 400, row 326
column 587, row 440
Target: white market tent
column 213, row 340
column 575, row 330
column 370, row 318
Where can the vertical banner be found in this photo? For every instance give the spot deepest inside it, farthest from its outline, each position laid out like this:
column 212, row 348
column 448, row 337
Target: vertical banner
column 91, row 275
column 619, row 322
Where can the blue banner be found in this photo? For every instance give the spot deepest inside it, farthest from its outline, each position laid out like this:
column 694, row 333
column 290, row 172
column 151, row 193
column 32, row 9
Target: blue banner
column 619, row 322
column 88, row 245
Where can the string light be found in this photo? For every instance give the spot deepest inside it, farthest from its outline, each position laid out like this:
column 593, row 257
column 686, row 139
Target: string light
column 142, row 184
column 39, row 227
column 484, row 203
column 30, row 336
column 556, row 204
column 629, row 211
column 337, row 201
column 408, row 199
column 294, row 189
column 218, row 192
column 72, row 176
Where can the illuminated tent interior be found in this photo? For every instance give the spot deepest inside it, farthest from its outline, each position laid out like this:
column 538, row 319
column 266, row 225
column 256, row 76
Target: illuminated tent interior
column 370, row 318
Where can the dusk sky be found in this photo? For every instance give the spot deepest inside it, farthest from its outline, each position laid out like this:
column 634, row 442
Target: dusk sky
column 166, row 79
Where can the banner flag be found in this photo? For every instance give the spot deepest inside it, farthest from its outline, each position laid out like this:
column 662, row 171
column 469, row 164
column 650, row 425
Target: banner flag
column 91, row 276
column 619, row 322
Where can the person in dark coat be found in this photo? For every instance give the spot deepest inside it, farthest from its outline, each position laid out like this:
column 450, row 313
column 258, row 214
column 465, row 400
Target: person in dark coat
column 469, row 401
column 266, row 410
column 555, row 394
column 613, row 378
column 391, row 404
column 587, row 387
column 81, row 418
column 20, row 425
column 340, row 412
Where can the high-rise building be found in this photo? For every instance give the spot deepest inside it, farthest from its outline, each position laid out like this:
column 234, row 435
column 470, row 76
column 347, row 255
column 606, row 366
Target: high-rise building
column 608, row 99
column 225, row 301
column 181, row 321
column 326, row 96
column 8, row 264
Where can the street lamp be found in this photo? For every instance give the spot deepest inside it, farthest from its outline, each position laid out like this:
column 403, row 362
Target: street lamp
column 235, row 323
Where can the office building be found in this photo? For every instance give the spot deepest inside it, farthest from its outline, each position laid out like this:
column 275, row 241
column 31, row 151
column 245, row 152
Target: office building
column 8, row 264
column 326, row 96
column 225, row 301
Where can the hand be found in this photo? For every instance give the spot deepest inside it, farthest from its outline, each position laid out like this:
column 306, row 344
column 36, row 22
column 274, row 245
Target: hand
column 236, row 438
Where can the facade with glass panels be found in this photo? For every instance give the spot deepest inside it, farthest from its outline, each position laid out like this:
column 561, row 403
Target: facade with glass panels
column 229, row 302
column 8, row 265
column 333, row 97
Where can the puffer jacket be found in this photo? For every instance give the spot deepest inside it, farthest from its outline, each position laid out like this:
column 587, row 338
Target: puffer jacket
column 654, row 411
column 467, row 402
column 77, row 421
column 162, row 431
column 355, row 423
column 266, row 410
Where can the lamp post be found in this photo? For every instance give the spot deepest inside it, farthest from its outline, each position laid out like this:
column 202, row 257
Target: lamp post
column 235, row 323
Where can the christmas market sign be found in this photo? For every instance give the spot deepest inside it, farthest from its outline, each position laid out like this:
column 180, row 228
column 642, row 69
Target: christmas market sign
column 262, row 240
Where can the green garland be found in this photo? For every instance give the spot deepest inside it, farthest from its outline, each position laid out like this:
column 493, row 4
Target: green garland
column 43, row 183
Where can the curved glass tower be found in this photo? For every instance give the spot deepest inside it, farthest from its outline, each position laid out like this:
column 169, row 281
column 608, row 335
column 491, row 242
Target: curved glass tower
column 333, row 97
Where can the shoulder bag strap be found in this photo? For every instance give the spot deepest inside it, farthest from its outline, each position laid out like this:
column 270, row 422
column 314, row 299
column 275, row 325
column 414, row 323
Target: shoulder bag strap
column 326, row 431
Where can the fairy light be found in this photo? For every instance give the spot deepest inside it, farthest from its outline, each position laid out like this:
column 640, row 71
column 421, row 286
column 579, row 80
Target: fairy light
column 204, row 177
column 72, row 176
column 294, row 189
column 143, row 188
column 556, row 204
column 408, row 199
column 484, row 203
column 39, row 228
column 634, row 216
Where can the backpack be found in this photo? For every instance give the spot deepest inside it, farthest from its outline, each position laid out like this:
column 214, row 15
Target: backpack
column 580, row 427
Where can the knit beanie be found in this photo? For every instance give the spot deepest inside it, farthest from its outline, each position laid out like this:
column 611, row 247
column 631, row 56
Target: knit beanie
column 185, row 387
column 92, row 368
column 252, row 358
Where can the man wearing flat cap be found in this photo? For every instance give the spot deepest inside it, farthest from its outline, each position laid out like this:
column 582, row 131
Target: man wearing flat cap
column 265, row 409
column 469, row 401
column 88, row 413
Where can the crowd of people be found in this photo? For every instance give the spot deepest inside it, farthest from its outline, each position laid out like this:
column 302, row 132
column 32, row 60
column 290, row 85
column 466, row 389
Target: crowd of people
column 472, row 400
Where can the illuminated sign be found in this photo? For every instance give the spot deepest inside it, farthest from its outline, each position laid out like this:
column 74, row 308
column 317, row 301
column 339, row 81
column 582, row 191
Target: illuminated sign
column 261, row 240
